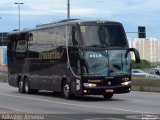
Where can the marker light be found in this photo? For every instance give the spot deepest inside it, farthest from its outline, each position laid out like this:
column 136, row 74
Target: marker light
column 89, row 85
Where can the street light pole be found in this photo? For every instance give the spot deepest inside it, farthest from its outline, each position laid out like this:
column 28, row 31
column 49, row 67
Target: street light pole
column 2, row 34
column 68, row 9
column 19, row 13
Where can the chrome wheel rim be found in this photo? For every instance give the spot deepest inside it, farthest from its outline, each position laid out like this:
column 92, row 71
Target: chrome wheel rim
column 26, row 87
column 20, row 84
column 66, row 90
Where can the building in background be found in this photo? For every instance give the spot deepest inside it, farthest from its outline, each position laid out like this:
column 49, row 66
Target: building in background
column 3, row 51
column 3, row 38
column 3, row 58
column 148, row 48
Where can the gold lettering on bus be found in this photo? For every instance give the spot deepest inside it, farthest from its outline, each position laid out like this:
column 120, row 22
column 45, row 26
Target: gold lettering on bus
column 95, row 81
column 51, row 55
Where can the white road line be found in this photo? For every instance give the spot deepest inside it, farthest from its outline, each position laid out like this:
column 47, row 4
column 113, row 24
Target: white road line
column 138, row 100
column 77, row 105
column 134, row 100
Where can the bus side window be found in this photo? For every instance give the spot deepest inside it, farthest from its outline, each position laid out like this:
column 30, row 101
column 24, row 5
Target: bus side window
column 73, row 41
column 21, row 46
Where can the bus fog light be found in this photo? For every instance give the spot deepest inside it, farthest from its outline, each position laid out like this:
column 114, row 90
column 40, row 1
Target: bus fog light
column 126, row 83
column 89, row 85
column 85, row 91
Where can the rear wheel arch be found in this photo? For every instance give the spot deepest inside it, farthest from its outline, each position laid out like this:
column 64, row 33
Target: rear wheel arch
column 64, row 79
column 27, row 86
column 18, row 80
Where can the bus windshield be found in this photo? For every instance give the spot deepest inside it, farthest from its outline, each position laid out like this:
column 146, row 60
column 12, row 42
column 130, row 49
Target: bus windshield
column 106, row 63
column 103, row 35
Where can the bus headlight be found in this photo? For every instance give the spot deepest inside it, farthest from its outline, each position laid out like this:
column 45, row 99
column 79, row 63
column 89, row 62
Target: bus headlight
column 89, row 85
column 126, row 83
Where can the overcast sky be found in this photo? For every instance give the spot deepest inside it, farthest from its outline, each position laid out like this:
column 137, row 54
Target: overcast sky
column 132, row 13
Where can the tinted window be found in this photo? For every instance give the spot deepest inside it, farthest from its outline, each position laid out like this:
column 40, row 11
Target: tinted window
column 58, row 35
column 109, row 35
column 49, row 38
column 43, row 36
column 21, row 46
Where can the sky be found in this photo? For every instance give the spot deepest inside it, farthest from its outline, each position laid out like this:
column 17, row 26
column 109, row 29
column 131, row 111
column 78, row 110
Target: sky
column 131, row 13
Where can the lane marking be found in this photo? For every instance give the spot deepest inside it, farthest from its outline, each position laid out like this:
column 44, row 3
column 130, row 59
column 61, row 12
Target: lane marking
column 77, row 105
column 137, row 100
column 134, row 100
column 104, row 118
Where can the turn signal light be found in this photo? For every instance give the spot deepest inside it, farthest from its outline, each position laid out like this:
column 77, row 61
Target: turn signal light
column 125, row 79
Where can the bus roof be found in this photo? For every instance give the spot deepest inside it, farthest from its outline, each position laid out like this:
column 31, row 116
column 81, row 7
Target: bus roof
column 64, row 22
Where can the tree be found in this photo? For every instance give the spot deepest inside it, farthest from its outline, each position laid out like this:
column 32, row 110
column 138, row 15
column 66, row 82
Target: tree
column 142, row 64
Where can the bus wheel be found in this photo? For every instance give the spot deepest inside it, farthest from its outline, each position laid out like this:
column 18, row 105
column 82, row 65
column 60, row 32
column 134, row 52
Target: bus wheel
column 27, row 87
column 108, row 96
column 21, row 86
column 66, row 90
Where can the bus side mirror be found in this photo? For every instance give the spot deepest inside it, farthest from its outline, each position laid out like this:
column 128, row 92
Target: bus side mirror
column 136, row 53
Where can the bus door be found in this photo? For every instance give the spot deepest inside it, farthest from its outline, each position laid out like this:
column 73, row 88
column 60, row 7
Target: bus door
column 20, row 52
column 73, row 50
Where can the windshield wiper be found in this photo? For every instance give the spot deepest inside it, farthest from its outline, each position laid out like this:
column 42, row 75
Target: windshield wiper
column 117, row 45
column 101, row 46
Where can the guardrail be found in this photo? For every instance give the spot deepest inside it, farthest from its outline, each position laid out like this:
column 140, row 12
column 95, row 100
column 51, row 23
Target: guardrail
column 141, row 83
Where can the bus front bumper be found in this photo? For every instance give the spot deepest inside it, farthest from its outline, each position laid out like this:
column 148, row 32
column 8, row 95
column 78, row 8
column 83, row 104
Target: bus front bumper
column 106, row 90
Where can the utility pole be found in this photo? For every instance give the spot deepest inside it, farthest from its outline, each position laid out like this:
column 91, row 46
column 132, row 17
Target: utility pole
column 19, row 14
column 68, row 9
column 2, row 35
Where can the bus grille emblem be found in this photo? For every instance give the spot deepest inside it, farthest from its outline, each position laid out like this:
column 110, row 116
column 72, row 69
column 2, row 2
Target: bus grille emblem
column 109, row 83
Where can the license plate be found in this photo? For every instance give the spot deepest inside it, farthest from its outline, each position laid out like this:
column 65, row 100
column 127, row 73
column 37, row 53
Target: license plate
column 109, row 90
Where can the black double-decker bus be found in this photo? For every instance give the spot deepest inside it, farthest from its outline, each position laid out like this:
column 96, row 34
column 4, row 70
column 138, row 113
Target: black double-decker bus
column 73, row 57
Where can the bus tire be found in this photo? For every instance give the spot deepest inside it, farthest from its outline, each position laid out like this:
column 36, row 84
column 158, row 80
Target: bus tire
column 66, row 90
column 21, row 86
column 108, row 96
column 27, row 87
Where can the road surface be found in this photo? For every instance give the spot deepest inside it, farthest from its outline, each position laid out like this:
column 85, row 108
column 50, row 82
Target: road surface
column 123, row 106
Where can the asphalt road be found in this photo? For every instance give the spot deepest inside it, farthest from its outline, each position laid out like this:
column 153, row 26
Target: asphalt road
column 123, row 106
